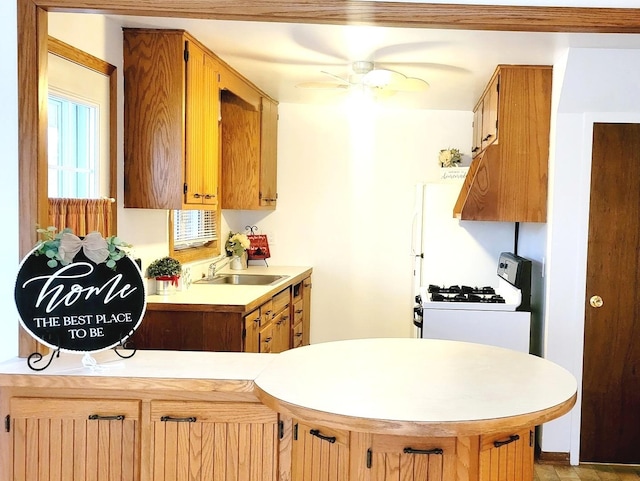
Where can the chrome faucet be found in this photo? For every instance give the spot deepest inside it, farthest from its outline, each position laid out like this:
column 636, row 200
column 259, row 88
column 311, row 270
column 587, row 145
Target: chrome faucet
column 219, row 263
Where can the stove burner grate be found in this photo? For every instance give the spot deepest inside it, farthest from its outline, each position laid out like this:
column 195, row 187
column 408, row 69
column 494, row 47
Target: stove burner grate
column 466, row 290
column 468, row 297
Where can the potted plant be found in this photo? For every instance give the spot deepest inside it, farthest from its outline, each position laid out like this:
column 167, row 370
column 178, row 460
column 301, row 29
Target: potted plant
column 236, row 247
column 166, row 272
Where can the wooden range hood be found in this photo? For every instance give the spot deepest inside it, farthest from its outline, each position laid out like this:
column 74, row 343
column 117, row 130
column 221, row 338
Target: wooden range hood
column 507, row 181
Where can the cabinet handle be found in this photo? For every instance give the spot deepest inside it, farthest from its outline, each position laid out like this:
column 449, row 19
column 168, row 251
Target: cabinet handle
column 284, row 318
column 98, row 417
column 475, row 149
column 266, row 199
column 196, row 195
column 512, row 438
column 268, row 339
column 257, row 320
column 316, row 433
column 166, row 419
column 209, row 196
column 422, row 451
column 268, row 313
column 487, row 137
column 298, row 311
column 298, row 334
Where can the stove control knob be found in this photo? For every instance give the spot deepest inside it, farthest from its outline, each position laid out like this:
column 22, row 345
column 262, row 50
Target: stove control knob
column 596, row 301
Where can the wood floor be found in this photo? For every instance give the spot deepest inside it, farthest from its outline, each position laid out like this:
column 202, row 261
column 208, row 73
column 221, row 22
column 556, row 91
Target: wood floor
column 586, row 472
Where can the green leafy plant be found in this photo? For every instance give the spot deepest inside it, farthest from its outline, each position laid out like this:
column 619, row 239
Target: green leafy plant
column 164, row 267
column 449, row 157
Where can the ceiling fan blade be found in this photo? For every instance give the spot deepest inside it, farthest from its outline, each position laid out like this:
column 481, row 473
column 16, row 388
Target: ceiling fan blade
column 340, row 79
column 323, row 85
column 410, row 84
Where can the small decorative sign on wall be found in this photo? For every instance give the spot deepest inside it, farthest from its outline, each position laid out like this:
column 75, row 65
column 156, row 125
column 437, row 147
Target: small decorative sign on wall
column 80, row 295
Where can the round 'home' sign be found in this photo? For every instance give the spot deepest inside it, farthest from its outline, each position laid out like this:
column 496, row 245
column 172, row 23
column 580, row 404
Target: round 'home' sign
column 80, row 295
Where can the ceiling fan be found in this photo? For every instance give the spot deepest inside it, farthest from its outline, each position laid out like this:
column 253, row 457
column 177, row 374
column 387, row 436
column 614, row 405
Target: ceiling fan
column 367, row 76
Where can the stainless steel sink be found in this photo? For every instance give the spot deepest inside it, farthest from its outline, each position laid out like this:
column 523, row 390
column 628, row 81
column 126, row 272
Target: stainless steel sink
column 242, row 279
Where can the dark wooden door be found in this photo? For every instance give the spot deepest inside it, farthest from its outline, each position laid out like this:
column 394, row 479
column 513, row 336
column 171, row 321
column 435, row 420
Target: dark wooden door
column 610, row 426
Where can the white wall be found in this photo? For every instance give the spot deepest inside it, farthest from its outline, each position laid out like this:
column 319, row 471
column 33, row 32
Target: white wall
column 9, row 178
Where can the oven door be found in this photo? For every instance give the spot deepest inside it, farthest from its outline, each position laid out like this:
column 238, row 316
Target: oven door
column 509, row 329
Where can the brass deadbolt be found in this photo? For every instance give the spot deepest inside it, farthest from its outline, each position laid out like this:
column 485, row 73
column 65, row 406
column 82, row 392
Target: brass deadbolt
column 596, row 301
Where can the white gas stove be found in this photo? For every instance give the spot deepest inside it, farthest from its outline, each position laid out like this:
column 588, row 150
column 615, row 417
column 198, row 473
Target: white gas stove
column 496, row 315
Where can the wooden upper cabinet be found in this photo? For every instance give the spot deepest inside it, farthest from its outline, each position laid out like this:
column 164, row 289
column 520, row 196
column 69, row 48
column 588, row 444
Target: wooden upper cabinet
column 490, row 113
column 202, row 153
column 170, row 121
column 507, row 179
column 268, row 194
column 249, row 146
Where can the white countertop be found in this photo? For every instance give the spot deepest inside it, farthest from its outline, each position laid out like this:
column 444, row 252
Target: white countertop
column 231, row 295
column 226, row 366
column 416, row 380
column 421, row 387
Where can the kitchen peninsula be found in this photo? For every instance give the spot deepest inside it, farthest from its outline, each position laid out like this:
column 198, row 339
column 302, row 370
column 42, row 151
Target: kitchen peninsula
column 236, row 318
column 354, row 410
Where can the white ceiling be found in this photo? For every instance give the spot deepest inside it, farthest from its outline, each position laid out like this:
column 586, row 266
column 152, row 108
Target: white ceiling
column 456, row 63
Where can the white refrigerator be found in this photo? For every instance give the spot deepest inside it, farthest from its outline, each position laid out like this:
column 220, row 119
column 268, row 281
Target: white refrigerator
column 448, row 251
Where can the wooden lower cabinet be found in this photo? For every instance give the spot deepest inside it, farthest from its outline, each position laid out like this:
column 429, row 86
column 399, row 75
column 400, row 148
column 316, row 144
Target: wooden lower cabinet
column 507, row 457
column 75, row 439
column 409, row 459
column 319, row 453
column 213, row 441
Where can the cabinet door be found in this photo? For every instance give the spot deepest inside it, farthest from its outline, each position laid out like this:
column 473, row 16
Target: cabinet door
column 319, row 453
column 210, row 137
column 490, row 113
column 410, row 458
column 281, row 332
column 477, row 131
column 507, row 457
column 216, row 441
column 76, row 440
column 252, row 331
column 268, row 153
column 154, row 137
column 201, row 160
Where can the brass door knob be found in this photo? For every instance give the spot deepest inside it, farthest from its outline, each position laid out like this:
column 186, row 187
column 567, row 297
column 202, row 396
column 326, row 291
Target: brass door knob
column 596, row 301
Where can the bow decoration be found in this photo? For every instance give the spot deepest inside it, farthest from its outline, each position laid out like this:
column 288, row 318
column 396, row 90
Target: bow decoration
column 93, row 246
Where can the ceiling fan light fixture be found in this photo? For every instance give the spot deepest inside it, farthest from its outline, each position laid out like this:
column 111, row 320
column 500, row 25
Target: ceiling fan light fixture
column 382, row 78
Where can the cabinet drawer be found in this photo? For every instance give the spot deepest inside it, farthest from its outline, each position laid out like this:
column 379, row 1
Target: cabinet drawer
column 211, row 412
column 297, row 335
column 281, row 300
column 266, row 339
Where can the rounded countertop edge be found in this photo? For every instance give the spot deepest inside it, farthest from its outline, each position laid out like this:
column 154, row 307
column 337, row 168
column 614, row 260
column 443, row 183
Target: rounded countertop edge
column 415, row 428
